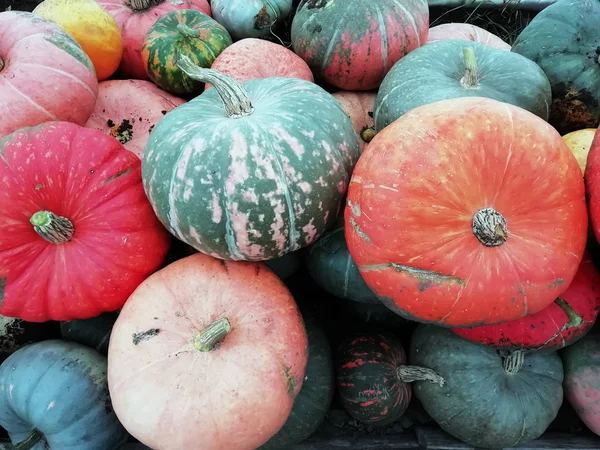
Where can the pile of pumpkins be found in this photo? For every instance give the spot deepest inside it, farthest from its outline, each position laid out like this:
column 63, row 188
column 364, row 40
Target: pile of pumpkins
column 439, row 173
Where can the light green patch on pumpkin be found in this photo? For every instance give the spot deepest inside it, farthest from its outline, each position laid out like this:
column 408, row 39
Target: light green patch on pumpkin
column 69, row 45
column 2, row 289
column 291, row 381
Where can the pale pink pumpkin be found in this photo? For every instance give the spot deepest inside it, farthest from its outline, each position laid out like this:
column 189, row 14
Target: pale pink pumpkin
column 359, row 107
column 207, row 354
column 129, row 109
column 135, row 18
column 467, row 32
column 44, row 74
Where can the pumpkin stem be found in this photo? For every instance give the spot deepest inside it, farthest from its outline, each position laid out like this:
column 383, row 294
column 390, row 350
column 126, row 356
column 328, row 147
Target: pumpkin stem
column 30, row 442
column 53, row 228
column 489, row 226
column 367, row 134
column 188, row 31
column 575, row 319
column 235, row 98
column 208, row 339
column 1, row 64
column 471, row 78
column 514, row 362
column 408, row 374
column 143, row 5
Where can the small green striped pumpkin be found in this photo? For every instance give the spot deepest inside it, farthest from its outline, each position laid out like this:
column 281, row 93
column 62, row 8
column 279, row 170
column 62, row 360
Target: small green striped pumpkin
column 183, row 32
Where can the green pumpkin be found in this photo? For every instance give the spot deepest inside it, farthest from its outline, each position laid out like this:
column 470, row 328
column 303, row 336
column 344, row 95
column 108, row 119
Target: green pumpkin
column 94, row 332
column 313, row 401
column 456, row 68
column 182, row 32
column 563, row 39
column 250, row 172
column 487, row 400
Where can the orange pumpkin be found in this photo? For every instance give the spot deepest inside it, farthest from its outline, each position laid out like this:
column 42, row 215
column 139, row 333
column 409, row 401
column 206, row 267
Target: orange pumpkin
column 359, row 107
column 580, row 142
column 207, row 354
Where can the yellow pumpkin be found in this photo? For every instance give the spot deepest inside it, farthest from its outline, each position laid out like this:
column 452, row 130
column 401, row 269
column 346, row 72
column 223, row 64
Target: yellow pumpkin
column 92, row 27
column 580, row 142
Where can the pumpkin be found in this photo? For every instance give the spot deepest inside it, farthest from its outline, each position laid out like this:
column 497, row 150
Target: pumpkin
column 225, row 340
column 313, row 402
column 373, row 378
column 94, row 332
column 359, row 106
column 592, row 186
column 245, row 60
column 53, row 394
column 454, row 68
column 352, row 45
column 92, row 27
column 435, row 227
column 285, row 266
column 78, row 232
column 250, row 172
column 562, row 323
column 331, row 267
column 582, row 373
column 562, row 39
column 467, row 32
column 488, row 400
column 63, row 85
column 129, row 109
column 135, row 19
column 16, row 333
column 183, row 32
column 251, row 18
column 580, row 142
column 377, row 315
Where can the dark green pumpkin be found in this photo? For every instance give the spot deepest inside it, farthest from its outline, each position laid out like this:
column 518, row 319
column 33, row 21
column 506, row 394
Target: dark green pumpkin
column 313, row 401
column 94, row 332
column 16, row 333
column 487, row 401
column 455, row 68
column 563, row 39
column 377, row 315
column 182, row 32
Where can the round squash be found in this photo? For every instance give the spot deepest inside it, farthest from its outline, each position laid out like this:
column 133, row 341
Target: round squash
column 580, row 142
column 582, row 378
column 454, row 68
column 592, row 185
column 359, row 106
column 245, row 60
column 94, row 332
column 16, row 333
column 251, row 18
column 53, row 394
column 313, row 402
column 135, row 18
column 129, row 109
column 92, row 27
column 228, row 349
column 353, row 44
column 78, row 233
column 252, row 172
column 467, row 32
column 373, row 378
column 562, row 323
column 563, row 40
column 184, row 32
column 63, row 85
column 435, row 227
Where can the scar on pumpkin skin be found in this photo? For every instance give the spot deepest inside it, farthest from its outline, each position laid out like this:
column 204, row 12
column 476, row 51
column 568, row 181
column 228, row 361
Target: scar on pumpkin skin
column 358, row 230
column 119, row 174
column 427, row 277
column 144, row 336
column 2, row 288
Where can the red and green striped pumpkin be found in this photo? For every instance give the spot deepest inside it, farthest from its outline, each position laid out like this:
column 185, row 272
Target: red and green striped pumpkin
column 250, row 172
column 183, row 32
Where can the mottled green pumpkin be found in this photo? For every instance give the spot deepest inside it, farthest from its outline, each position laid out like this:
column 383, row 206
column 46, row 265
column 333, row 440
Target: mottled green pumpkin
column 183, row 32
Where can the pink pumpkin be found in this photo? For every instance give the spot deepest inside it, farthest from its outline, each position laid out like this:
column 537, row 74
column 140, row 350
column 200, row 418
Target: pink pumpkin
column 359, row 107
column 135, row 18
column 467, row 32
column 44, row 74
column 129, row 109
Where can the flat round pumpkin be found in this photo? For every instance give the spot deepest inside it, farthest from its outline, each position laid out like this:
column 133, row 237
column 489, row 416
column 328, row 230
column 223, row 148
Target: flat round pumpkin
column 216, row 349
column 435, row 226
column 467, row 32
column 455, row 68
column 250, row 172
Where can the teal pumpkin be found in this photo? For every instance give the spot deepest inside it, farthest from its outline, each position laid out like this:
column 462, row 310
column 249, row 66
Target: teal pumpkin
column 563, row 40
column 487, row 401
column 455, row 68
column 182, row 32
column 252, row 171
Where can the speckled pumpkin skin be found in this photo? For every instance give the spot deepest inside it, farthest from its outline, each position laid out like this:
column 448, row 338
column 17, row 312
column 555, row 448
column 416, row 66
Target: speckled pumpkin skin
column 255, row 187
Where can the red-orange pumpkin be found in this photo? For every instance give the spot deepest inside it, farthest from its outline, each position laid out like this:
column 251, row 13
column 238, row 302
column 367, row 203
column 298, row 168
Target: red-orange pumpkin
column 592, row 185
column 207, row 354
column 359, row 107
column 467, row 32
column 438, row 221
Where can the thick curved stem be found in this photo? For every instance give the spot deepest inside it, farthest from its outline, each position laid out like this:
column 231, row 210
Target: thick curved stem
column 235, row 98
column 471, row 76
column 489, row 226
column 28, row 443
column 408, row 374
column 187, row 31
column 1, row 64
column 209, row 338
column 53, row 228
column 575, row 319
column 514, row 362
